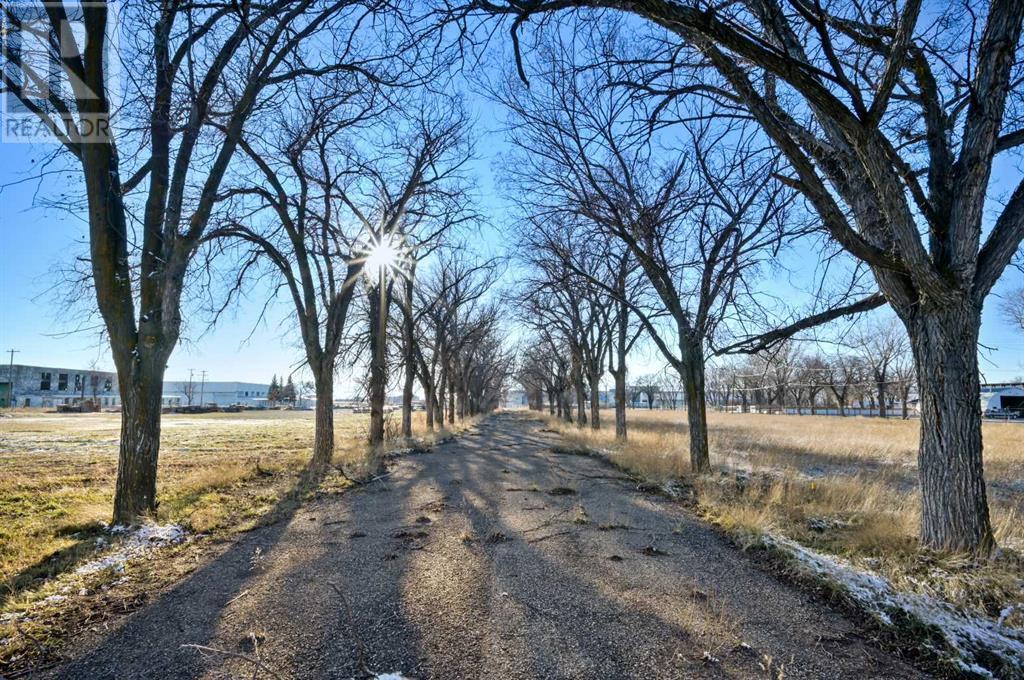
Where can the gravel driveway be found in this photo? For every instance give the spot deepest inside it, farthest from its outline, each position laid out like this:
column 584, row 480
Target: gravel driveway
column 490, row 557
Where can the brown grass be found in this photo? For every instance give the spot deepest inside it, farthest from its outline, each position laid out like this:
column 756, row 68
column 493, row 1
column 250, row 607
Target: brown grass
column 847, row 486
column 219, row 474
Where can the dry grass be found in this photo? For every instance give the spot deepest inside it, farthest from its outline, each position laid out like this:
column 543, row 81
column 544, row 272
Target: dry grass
column 219, row 474
column 842, row 485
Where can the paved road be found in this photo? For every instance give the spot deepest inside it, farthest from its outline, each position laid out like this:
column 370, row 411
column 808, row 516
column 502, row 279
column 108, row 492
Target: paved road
column 491, row 557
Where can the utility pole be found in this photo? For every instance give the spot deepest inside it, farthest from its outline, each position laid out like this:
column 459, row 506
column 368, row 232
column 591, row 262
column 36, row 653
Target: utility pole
column 10, row 378
column 190, row 390
column 202, row 388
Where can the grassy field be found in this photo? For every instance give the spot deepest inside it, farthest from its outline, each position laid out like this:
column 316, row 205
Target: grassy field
column 219, row 474
column 847, row 486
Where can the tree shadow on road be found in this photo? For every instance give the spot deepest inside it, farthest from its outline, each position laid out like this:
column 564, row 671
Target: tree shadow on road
column 435, row 571
column 148, row 643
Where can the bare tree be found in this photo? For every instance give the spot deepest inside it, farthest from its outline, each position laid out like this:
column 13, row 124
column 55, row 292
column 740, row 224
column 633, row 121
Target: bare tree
column 626, row 286
column 406, row 200
column 557, row 296
column 448, row 316
column 647, row 386
column 842, row 372
column 1013, row 308
column 880, row 346
column 151, row 177
column 293, row 220
column 698, row 222
column 895, row 157
column 813, row 372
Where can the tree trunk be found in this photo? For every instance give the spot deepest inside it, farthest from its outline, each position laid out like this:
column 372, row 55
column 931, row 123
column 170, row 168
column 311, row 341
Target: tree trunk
column 141, row 388
column 595, row 401
column 428, row 408
column 439, row 400
column 581, row 402
column 378, row 367
column 451, row 400
column 323, row 434
column 692, row 374
column 620, row 403
column 410, row 360
column 954, row 508
column 881, row 396
column 463, row 400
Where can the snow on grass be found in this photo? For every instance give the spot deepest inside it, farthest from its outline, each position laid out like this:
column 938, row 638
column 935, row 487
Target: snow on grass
column 978, row 646
column 134, row 542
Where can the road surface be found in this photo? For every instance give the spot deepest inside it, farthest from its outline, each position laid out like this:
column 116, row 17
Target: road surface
column 492, row 556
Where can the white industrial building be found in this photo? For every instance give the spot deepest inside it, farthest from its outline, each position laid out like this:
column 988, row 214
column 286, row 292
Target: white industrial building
column 995, row 398
column 48, row 386
column 232, row 393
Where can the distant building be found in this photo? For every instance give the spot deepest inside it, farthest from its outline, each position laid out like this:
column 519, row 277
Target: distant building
column 641, row 396
column 46, row 386
column 515, row 399
column 1002, row 397
column 198, row 393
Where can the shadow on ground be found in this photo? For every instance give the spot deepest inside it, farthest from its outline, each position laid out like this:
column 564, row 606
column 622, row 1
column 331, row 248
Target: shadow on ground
column 490, row 557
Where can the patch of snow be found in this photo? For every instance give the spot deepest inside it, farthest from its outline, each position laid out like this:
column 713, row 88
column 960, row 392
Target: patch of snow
column 972, row 640
column 134, row 542
column 390, row 676
column 824, row 524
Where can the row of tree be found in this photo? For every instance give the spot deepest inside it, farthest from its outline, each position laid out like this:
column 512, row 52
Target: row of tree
column 302, row 147
column 684, row 145
column 704, row 139
column 282, row 392
column 872, row 370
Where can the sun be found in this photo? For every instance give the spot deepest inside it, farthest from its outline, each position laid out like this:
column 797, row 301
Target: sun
column 382, row 256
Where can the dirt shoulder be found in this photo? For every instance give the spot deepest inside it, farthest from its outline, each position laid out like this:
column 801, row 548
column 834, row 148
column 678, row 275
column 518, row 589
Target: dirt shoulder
column 492, row 556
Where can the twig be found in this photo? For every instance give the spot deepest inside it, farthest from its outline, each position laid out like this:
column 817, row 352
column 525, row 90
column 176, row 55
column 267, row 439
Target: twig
column 256, row 653
column 35, row 643
column 548, row 521
column 360, row 648
column 546, row 537
column 237, row 597
column 260, row 666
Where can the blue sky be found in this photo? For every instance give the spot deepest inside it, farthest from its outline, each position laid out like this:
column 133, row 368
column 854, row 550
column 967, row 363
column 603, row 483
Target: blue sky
column 34, row 241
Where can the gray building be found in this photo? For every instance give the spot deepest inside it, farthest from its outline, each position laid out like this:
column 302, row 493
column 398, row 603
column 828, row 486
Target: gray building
column 48, row 386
